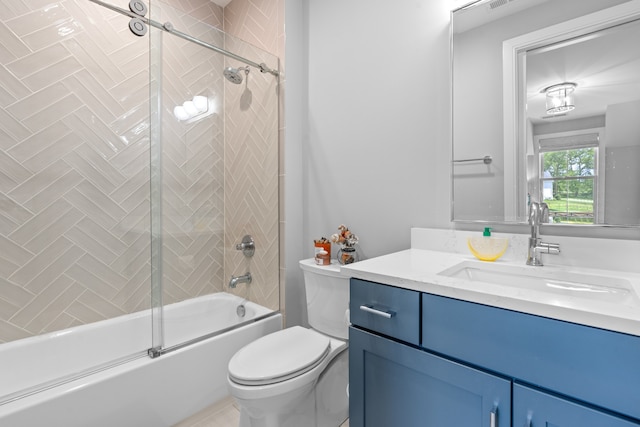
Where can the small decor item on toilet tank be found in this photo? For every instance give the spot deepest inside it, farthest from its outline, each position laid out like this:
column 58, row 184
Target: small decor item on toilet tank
column 487, row 247
column 323, row 258
column 322, row 244
column 347, row 241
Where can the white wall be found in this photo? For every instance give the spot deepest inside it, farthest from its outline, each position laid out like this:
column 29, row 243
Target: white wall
column 367, row 124
column 295, row 107
column 368, row 128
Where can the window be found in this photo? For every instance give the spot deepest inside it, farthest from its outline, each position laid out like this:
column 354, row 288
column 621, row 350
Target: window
column 569, row 177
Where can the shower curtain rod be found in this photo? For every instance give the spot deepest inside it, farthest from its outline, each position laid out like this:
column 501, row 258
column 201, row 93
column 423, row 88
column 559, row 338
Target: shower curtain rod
column 168, row 27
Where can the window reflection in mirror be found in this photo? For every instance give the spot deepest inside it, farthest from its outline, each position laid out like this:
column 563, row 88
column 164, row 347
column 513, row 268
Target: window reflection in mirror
column 568, row 178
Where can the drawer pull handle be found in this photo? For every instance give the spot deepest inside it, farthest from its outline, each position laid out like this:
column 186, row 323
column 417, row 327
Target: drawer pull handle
column 385, row 314
column 493, row 418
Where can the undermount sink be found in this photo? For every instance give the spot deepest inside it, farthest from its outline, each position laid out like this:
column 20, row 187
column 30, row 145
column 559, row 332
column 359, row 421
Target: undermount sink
column 545, row 279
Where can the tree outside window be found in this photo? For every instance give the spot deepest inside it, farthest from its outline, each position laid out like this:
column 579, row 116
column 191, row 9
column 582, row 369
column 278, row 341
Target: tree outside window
column 568, row 183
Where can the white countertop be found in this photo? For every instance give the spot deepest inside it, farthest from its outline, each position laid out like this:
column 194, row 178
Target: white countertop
column 417, row 269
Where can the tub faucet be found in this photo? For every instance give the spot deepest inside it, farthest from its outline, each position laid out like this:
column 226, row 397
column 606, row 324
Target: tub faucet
column 539, row 214
column 247, row 246
column 239, row 279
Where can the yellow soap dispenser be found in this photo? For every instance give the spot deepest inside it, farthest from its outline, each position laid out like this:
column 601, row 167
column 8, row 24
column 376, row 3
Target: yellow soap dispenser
column 487, row 247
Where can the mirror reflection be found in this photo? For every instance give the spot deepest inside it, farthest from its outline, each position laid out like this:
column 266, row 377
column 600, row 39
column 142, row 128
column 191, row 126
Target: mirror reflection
column 551, row 92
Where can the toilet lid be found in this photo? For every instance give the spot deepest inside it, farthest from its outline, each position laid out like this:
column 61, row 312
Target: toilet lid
column 279, row 356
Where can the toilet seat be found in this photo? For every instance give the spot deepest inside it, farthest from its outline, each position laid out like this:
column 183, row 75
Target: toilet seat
column 279, row 356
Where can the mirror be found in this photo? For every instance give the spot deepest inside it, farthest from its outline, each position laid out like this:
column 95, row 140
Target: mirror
column 546, row 106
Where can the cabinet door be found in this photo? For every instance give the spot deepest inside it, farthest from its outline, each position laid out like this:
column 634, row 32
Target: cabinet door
column 393, row 384
column 533, row 408
column 590, row 364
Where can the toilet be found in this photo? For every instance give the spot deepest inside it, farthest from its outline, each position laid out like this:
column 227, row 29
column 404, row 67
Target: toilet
column 299, row 376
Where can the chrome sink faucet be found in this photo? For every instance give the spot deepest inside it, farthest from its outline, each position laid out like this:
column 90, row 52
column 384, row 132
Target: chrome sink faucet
column 539, row 214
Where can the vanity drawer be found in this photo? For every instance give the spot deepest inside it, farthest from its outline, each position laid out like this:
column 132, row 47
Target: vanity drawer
column 594, row 365
column 386, row 310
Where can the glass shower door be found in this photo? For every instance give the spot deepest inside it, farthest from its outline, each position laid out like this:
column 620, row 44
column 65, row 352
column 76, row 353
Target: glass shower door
column 74, row 192
column 218, row 145
column 111, row 185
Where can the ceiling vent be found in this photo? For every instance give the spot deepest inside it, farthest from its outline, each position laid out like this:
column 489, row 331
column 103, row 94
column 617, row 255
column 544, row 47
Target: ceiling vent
column 497, row 3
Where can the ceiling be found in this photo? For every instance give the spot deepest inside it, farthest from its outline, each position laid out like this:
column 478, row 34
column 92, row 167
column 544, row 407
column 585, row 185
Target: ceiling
column 481, row 12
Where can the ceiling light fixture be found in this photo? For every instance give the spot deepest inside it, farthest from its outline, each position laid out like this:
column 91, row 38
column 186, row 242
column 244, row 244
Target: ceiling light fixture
column 560, row 98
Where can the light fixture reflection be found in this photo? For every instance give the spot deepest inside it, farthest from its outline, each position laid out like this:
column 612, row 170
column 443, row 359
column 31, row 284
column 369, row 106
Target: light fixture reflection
column 560, row 98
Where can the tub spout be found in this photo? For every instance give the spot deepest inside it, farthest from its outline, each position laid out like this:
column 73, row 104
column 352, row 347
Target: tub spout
column 239, row 279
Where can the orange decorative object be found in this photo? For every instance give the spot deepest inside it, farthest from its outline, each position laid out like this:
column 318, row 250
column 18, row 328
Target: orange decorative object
column 323, row 258
column 322, row 245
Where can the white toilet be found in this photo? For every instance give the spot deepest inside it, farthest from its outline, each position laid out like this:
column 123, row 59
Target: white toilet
column 297, row 376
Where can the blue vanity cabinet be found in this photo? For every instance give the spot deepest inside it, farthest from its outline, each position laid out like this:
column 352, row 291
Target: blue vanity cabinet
column 535, row 408
column 393, row 382
column 473, row 365
column 598, row 367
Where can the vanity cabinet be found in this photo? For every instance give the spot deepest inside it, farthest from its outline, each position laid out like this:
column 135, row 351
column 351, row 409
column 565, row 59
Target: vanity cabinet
column 534, row 408
column 393, row 384
column 468, row 364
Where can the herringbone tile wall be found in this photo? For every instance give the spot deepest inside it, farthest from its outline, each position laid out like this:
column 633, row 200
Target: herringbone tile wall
column 192, row 160
column 253, row 204
column 74, row 166
column 74, row 180
column 251, row 175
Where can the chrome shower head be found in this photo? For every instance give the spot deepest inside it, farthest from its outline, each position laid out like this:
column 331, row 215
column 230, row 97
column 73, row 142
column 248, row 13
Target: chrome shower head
column 233, row 74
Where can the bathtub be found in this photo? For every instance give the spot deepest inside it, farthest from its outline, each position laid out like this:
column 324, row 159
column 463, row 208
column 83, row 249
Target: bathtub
column 108, row 379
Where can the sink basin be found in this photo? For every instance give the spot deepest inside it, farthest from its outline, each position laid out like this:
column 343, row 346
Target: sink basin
column 545, row 279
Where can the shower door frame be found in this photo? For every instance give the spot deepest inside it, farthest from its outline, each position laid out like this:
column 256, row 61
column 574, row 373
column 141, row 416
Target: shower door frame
column 156, row 33
column 155, row 115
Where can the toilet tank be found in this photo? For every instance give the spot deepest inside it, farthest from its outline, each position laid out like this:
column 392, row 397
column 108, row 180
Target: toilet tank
column 327, row 295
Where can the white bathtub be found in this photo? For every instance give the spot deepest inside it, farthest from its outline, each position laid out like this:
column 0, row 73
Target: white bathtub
column 139, row 391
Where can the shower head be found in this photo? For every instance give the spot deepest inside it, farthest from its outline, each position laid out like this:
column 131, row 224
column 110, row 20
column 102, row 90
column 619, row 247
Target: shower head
column 233, row 74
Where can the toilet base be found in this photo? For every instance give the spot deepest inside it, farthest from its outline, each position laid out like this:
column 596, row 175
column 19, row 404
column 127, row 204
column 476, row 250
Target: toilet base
column 331, row 395
column 324, row 403
column 301, row 415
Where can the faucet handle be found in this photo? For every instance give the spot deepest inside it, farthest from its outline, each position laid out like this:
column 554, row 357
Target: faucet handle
column 549, row 248
column 247, row 246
